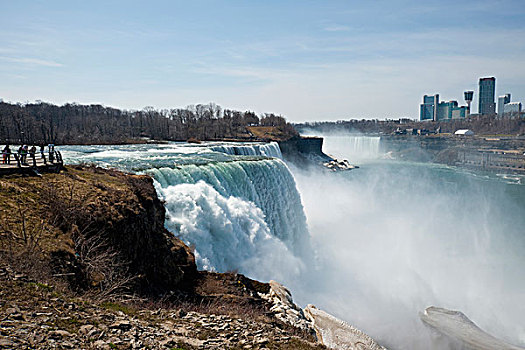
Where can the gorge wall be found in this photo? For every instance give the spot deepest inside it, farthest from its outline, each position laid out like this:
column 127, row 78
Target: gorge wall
column 303, row 150
column 486, row 153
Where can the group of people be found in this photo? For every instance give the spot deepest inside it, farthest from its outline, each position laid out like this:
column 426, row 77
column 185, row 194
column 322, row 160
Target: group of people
column 25, row 150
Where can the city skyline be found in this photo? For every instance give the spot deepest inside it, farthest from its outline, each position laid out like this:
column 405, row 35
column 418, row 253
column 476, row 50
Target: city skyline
column 305, row 61
column 434, row 109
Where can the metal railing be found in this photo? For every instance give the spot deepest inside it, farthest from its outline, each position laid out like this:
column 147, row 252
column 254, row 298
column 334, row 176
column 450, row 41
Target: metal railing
column 31, row 159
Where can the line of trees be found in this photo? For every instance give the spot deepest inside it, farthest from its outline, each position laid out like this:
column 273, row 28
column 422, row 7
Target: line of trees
column 481, row 125
column 73, row 123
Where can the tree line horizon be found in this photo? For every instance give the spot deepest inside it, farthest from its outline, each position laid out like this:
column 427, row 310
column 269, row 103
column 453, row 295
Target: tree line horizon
column 482, row 125
column 73, row 123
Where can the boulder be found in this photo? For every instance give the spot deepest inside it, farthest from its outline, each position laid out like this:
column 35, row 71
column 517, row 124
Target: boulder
column 337, row 334
column 457, row 326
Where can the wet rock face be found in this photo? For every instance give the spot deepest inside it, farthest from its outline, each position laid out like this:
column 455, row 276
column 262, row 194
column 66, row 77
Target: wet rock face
column 163, row 261
column 304, row 151
column 305, row 145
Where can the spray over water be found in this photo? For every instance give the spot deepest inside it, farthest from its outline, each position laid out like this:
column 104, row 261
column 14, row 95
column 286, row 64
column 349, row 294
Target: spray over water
column 395, row 238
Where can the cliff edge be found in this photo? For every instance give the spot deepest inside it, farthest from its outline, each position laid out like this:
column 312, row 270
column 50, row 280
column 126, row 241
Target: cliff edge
column 308, row 151
column 98, row 228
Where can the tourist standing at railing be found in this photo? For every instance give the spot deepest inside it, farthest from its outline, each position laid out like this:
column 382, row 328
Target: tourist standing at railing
column 32, row 152
column 51, row 148
column 20, row 157
column 6, row 153
column 25, row 151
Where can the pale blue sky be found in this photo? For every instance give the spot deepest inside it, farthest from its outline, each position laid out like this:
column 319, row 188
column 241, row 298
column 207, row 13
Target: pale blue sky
column 307, row 60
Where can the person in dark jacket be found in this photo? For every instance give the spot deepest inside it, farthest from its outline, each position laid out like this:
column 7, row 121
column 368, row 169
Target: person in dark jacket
column 6, row 152
column 32, row 152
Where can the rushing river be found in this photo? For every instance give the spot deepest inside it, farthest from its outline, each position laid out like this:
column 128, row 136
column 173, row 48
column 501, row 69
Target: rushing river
column 374, row 246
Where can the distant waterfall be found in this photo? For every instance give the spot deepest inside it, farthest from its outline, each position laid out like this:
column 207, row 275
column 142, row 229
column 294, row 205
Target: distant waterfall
column 269, row 150
column 353, row 147
column 237, row 214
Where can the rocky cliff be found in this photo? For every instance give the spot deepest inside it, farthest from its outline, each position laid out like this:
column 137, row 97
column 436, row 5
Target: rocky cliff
column 499, row 154
column 302, row 147
column 304, row 151
column 99, row 228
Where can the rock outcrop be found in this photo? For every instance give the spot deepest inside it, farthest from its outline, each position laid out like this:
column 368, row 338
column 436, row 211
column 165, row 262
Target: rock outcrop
column 329, row 331
column 308, row 151
column 338, row 334
column 456, row 325
column 284, row 308
column 339, row 165
column 304, row 150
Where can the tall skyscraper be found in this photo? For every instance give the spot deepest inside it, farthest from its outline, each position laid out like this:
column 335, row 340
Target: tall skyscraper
column 428, row 109
column 487, row 91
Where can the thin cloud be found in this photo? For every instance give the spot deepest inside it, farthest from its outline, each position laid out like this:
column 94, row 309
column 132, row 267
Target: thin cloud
column 337, row 28
column 31, row 61
column 261, row 74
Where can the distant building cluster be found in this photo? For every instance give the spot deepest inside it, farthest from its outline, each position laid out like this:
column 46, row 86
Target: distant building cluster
column 435, row 110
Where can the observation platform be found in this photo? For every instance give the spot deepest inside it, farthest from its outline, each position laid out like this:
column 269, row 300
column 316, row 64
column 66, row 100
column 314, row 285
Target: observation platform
column 33, row 165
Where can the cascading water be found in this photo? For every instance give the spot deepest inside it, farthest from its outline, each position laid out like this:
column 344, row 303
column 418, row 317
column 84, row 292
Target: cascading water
column 269, row 150
column 234, row 212
column 236, row 204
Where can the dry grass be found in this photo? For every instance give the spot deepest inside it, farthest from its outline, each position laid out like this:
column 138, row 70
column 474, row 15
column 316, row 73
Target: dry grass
column 268, row 133
column 49, row 229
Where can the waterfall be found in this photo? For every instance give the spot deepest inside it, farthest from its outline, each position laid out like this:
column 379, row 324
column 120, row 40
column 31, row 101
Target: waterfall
column 244, row 215
column 353, row 147
column 269, row 150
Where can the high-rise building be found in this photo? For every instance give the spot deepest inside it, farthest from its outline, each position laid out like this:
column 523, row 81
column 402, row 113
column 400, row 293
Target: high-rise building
column 428, row 109
column 502, row 101
column 487, row 91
